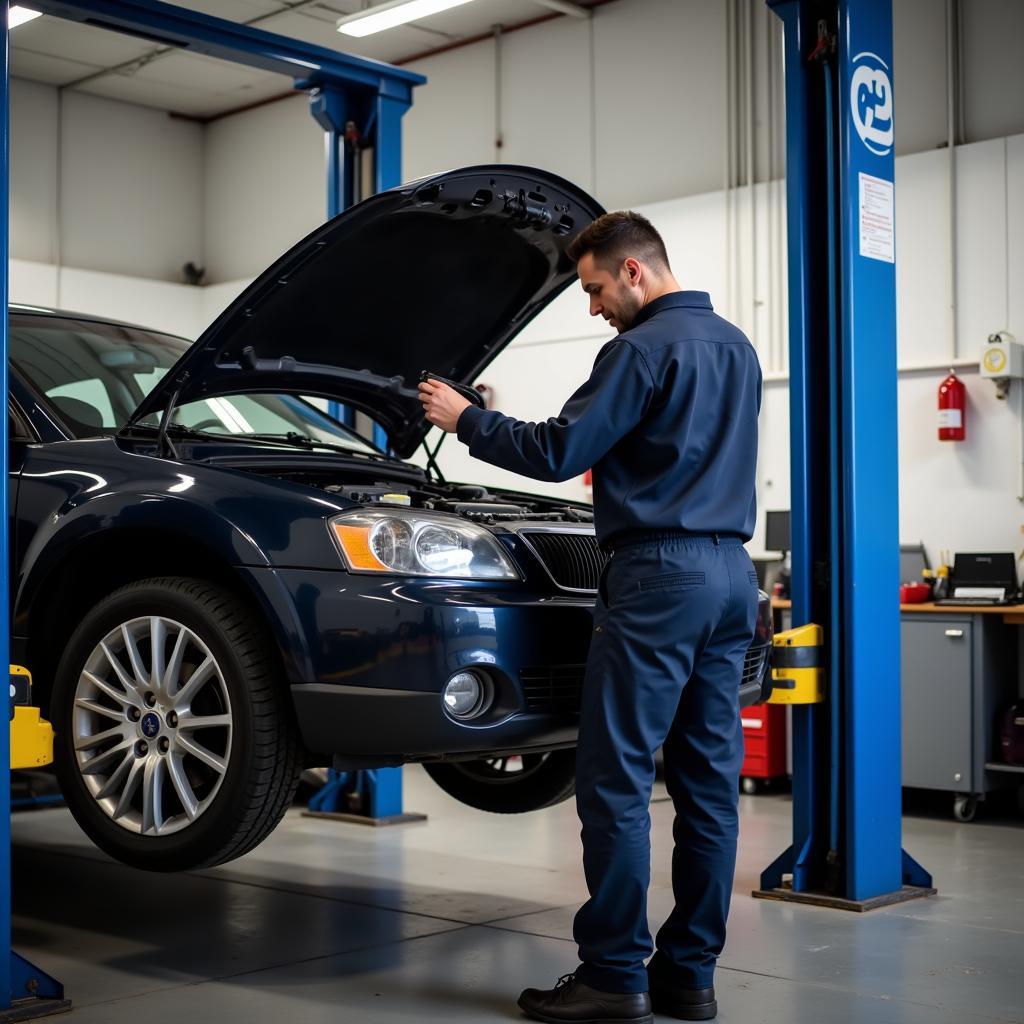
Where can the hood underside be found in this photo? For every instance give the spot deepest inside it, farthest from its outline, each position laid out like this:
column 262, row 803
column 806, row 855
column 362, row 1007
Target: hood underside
column 437, row 275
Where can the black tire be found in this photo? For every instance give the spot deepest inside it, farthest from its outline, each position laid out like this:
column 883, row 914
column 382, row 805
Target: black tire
column 507, row 785
column 261, row 756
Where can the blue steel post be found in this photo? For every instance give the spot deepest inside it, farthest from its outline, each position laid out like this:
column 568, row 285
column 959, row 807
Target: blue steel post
column 19, row 980
column 807, row 370
column 384, row 788
column 5, row 619
column 387, row 168
column 380, row 790
column 329, row 106
column 847, row 825
column 870, row 530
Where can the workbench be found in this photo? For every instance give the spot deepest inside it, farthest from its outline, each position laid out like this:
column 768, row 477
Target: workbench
column 958, row 670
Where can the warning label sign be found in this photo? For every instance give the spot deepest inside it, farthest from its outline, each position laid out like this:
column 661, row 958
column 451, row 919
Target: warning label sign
column 877, row 218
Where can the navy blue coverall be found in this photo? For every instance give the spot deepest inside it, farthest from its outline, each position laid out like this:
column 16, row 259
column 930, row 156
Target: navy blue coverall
column 668, row 422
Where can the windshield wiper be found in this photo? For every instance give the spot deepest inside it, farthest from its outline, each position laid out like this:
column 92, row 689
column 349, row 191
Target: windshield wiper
column 294, row 438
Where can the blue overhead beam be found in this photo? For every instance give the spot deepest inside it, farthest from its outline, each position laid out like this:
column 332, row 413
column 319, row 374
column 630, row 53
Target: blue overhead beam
column 168, row 25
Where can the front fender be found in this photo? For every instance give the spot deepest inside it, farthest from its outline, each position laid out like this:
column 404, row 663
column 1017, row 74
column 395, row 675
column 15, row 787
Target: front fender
column 76, row 495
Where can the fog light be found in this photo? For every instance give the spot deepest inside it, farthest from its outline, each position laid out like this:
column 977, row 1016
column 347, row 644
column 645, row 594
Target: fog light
column 466, row 695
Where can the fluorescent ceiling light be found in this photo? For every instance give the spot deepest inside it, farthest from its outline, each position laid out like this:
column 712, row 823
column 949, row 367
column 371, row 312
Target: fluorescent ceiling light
column 19, row 15
column 392, row 13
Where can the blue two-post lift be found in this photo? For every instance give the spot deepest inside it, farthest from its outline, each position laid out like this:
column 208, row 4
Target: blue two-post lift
column 847, row 841
column 847, row 825
column 345, row 92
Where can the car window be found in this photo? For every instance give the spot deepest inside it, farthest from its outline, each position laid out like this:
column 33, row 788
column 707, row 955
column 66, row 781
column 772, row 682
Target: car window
column 95, row 374
column 90, row 393
column 267, row 414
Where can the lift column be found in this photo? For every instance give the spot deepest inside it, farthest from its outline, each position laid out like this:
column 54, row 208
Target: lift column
column 376, row 121
column 847, row 825
column 25, row 991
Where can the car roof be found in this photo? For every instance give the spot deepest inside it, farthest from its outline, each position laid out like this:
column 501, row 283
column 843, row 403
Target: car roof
column 67, row 314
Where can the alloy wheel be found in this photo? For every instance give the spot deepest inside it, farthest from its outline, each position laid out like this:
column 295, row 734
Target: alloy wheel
column 152, row 725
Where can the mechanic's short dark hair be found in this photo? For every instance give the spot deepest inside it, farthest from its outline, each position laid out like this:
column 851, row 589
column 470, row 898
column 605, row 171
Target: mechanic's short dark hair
column 614, row 237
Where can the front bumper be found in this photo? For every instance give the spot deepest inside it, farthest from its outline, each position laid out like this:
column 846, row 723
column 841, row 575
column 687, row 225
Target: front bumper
column 361, row 726
column 379, row 652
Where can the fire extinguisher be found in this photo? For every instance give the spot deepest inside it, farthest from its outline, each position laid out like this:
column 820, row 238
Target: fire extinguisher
column 588, row 484
column 952, row 409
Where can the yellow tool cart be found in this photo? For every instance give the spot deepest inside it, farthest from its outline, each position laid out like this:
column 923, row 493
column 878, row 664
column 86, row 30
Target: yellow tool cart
column 31, row 736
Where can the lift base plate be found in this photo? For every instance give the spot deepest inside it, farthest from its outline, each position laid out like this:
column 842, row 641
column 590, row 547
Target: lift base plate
column 821, row 899
column 32, row 1009
column 362, row 819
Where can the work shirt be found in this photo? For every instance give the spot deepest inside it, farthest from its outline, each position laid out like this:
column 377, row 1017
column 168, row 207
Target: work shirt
column 667, row 421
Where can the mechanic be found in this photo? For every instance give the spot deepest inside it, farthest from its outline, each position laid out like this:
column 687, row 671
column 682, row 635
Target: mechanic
column 668, row 422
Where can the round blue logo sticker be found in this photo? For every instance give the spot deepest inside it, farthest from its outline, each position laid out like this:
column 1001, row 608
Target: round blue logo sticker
column 871, row 102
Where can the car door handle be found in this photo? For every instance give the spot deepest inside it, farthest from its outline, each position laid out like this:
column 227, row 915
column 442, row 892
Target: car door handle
column 955, row 634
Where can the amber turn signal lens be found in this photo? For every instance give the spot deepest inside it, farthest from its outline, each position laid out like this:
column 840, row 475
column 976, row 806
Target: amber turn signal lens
column 355, row 542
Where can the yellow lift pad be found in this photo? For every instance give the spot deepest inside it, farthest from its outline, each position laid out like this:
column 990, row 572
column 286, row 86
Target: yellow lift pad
column 31, row 735
column 798, row 672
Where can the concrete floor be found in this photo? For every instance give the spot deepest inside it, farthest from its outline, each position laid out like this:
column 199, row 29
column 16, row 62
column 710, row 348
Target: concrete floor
column 447, row 920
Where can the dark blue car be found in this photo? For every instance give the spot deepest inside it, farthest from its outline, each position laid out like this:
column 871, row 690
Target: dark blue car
column 216, row 584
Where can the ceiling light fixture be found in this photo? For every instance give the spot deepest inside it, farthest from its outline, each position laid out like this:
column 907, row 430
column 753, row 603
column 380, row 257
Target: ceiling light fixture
column 392, row 13
column 19, row 15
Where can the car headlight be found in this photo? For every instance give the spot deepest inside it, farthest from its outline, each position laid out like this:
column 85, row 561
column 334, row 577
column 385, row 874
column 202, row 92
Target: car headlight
column 418, row 544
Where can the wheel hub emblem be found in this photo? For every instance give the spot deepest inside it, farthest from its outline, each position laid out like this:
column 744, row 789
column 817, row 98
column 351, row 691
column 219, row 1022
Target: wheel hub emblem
column 150, row 725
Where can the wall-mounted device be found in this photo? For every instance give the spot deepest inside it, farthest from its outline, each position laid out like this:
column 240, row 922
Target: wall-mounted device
column 1002, row 360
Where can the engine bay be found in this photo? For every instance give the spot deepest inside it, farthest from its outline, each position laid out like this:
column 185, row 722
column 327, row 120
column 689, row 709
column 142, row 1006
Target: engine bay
column 470, row 501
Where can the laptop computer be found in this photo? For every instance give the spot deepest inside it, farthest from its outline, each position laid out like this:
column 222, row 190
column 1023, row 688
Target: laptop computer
column 983, row 579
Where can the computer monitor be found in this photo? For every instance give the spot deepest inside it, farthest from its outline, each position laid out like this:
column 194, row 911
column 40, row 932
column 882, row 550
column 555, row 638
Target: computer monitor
column 776, row 531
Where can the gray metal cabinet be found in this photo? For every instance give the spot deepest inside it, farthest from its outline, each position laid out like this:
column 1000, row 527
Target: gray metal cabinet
column 958, row 670
column 936, row 703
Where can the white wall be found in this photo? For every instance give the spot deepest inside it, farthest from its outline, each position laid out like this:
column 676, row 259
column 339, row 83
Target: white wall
column 103, row 185
column 161, row 305
column 265, row 187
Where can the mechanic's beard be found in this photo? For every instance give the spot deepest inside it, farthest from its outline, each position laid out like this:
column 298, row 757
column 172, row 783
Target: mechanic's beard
column 627, row 313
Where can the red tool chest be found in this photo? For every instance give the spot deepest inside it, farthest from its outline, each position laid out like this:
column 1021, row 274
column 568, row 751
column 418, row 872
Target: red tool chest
column 764, row 739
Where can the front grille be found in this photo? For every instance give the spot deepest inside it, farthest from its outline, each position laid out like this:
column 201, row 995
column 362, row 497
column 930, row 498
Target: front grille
column 553, row 688
column 559, row 688
column 753, row 665
column 573, row 559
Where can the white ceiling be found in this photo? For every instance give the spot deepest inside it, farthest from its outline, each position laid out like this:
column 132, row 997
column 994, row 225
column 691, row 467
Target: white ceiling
column 122, row 67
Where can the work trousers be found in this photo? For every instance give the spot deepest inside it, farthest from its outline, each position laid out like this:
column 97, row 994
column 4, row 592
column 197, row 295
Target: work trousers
column 672, row 625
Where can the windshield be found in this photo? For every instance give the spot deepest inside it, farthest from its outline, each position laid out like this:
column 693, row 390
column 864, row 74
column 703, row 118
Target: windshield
column 95, row 375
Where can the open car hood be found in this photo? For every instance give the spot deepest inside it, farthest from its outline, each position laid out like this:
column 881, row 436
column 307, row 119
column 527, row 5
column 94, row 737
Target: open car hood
column 438, row 275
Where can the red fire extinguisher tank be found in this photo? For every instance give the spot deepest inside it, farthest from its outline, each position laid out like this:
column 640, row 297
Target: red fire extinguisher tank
column 952, row 409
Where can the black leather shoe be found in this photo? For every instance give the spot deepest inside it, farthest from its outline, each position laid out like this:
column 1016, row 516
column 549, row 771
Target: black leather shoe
column 571, row 1000
column 670, row 998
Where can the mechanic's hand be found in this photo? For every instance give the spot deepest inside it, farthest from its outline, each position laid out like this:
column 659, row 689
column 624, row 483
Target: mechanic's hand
column 441, row 405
